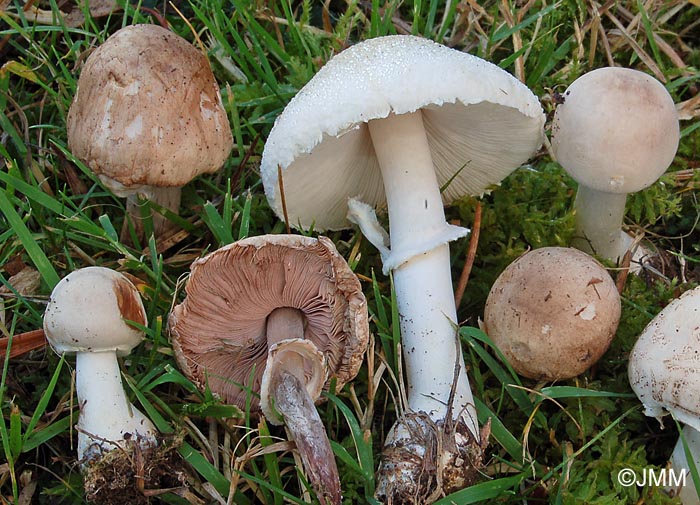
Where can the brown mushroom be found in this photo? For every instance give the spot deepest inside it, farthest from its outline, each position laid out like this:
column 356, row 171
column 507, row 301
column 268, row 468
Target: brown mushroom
column 284, row 312
column 147, row 118
column 552, row 313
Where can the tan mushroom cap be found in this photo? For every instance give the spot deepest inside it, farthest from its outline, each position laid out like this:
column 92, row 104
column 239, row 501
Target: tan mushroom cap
column 148, row 112
column 617, row 130
column 219, row 330
column 552, row 313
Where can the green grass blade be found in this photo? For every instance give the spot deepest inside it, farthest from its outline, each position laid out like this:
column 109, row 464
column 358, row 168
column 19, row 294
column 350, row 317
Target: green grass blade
column 29, row 241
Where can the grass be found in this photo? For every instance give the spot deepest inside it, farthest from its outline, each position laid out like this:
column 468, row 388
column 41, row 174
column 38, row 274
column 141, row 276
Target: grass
column 551, row 443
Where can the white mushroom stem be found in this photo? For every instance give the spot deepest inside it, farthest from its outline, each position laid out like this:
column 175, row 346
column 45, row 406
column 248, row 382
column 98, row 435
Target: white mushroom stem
column 106, row 415
column 599, row 218
column 679, row 464
column 420, row 260
column 285, row 381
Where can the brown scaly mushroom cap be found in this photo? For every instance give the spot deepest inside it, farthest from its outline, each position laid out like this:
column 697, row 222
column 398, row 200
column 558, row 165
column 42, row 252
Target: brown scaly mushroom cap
column 553, row 313
column 148, row 112
column 219, row 330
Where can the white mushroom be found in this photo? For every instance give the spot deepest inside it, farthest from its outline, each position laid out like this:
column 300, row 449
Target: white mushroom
column 391, row 121
column 616, row 133
column 87, row 315
column 664, row 372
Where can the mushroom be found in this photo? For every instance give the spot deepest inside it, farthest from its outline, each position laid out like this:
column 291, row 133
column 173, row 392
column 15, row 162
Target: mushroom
column 147, row 118
column 89, row 314
column 685, row 487
column 408, row 123
column 664, row 372
column 616, row 133
column 552, row 313
column 280, row 315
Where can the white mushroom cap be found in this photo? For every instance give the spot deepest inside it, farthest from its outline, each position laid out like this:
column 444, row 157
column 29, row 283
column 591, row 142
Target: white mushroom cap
column 148, row 112
column 481, row 124
column 617, row 130
column 88, row 310
column 664, row 366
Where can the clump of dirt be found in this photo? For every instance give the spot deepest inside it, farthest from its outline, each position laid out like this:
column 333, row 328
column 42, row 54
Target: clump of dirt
column 135, row 472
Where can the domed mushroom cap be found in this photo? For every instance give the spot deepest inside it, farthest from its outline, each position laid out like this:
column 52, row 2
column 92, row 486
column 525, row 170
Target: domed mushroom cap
column 617, row 130
column 664, row 366
column 480, row 121
column 553, row 313
column 148, row 111
column 88, row 312
column 219, row 330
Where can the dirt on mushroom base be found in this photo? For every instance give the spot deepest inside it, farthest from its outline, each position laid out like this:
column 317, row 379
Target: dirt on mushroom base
column 136, row 472
column 436, row 459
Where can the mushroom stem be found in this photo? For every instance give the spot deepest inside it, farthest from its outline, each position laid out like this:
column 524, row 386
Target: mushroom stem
column 106, row 415
column 166, row 197
column 288, row 387
column 423, row 280
column 303, row 422
column 679, row 463
column 599, row 223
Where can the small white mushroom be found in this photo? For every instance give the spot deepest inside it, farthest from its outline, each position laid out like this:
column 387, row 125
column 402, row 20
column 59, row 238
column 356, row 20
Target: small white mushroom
column 87, row 315
column 616, row 133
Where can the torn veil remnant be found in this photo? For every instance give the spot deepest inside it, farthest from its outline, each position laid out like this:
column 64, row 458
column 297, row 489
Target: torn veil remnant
column 281, row 315
column 147, row 118
column 409, row 124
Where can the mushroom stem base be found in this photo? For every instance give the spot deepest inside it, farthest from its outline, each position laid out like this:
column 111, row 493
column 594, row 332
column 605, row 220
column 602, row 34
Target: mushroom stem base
column 307, row 430
column 167, row 198
column 429, row 459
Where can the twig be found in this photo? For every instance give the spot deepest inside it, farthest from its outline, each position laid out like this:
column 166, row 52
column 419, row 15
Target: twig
column 22, row 343
column 471, row 254
column 282, row 197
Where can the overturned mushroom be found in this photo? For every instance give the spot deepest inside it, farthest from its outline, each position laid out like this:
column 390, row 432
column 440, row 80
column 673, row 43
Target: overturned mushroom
column 147, row 118
column 552, row 313
column 280, row 315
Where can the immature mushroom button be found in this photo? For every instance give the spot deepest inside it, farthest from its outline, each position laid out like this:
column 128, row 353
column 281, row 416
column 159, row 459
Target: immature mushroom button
column 664, row 371
column 147, row 116
column 280, row 315
column 552, row 313
column 616, row 133
column 87, row 315
column 394, row 120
